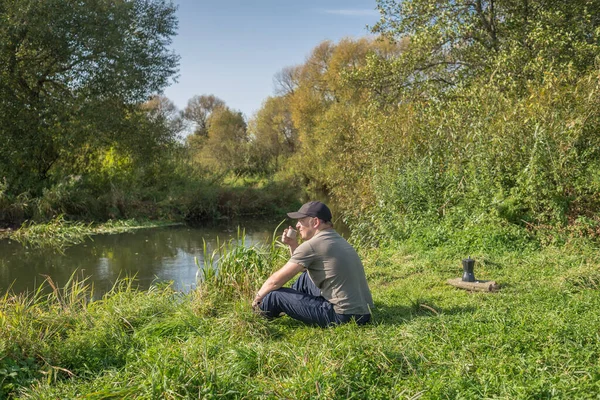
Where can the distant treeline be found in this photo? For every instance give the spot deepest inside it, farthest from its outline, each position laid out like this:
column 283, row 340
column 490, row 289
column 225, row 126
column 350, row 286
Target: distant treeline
column 476, row 122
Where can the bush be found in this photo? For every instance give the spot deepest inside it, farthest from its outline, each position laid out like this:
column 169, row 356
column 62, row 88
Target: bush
column 478, row 154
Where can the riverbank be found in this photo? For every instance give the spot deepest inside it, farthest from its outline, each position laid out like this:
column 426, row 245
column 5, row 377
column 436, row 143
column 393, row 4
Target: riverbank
column 60, row 233
column 194, row 201
column 537, row 337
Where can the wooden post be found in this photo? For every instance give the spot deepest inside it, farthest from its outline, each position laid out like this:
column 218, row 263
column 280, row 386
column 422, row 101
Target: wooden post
column 480, row 286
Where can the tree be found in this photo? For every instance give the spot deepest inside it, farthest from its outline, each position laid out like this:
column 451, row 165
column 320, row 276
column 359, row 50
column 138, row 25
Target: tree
column 226, row 146
column 273, row 132
column 198, row 111
column 453, row 42
column 286, row 81
column 326, row 94
column 72, row 73
column 162, row 111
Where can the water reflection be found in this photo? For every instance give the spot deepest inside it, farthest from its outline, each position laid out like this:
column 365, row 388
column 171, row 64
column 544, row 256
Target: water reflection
column 151, row 255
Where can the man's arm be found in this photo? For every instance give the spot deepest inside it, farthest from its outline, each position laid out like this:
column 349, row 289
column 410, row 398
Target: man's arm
column 277, row 280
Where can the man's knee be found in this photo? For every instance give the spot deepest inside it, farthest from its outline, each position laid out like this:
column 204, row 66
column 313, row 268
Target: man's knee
column 266, row 302
column 270, row 304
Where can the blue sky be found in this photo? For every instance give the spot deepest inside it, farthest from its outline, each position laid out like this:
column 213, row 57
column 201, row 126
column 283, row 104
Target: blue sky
column 233, row 48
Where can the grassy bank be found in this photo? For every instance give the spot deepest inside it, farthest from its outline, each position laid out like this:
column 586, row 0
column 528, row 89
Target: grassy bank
column 536, row 338
column 59, row 233
column 190, row 198
column 59, row 221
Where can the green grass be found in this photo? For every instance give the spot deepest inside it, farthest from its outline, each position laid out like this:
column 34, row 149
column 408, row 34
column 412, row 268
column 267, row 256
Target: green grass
column 60, row 233
column 537, row 338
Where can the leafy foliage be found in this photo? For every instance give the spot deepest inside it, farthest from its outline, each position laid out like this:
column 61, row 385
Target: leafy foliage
column 453, row 42
column 198, row 111
column 466, row 114
column 461, row 115
column 273, row 134
column 72, row 76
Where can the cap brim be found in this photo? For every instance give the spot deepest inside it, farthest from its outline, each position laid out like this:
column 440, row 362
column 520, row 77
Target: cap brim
column 296, row 215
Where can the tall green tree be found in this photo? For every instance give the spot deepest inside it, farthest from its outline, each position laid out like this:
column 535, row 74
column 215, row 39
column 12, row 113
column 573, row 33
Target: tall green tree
column 198, row 111
column 162, row 111
column 273, row 132
column 512, row 41
column 72, row 74
column 226, row 144
column 322, row 105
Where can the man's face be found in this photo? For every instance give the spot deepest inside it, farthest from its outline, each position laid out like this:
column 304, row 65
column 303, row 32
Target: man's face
column 306, row 227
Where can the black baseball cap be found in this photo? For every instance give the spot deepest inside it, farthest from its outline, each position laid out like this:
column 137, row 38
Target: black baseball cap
column 312, row 209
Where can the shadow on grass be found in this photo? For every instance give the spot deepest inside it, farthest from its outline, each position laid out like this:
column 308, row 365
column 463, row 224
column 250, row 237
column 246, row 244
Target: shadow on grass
column 385, row 314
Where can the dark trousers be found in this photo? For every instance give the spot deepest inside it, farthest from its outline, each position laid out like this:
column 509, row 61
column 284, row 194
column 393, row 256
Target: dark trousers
column 303, row 301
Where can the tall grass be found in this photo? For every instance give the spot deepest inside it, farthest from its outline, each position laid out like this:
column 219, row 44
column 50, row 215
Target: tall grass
column 60, row 233
column 536, row 338
column 56, row 233
column 234, row 268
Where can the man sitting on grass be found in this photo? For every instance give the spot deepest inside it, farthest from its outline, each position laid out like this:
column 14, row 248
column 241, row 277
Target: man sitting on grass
column 332, row 288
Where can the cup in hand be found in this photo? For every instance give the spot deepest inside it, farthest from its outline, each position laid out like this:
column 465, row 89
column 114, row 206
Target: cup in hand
column 291, row 233
column 288, row 233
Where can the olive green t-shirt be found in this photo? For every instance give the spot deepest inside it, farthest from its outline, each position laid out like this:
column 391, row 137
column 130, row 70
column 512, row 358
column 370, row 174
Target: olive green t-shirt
column 336, row 269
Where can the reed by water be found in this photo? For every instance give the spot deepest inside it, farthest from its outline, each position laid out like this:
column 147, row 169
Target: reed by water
column 59, row 232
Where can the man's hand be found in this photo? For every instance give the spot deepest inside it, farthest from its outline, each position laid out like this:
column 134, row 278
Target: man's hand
column 293, row 243
column 288, row 240
column 256, row 303
column 275, row 281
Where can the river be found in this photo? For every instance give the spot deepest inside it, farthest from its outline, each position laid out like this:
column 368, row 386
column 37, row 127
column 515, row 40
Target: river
column 150, row 255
